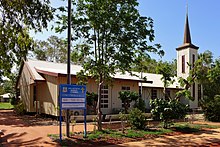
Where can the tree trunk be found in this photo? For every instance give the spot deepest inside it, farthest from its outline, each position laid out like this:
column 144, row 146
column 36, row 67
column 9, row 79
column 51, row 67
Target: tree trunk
column 98, row 108
column 202, row 95
column 126, row 106
column 164, row 92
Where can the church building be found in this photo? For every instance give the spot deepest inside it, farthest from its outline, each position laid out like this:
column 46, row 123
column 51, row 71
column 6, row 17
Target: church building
column 39, row 82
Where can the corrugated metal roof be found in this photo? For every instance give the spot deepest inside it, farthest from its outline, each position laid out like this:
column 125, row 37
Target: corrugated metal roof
column 60, row 68
column 157, row 82
column 34, row 73
column 128, row 76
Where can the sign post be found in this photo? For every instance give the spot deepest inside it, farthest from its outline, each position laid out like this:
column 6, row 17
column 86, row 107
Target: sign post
column 72, row 97
column 68, row 64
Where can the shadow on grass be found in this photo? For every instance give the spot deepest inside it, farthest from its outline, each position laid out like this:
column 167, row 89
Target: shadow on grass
column 186, row 129
column 194, row 128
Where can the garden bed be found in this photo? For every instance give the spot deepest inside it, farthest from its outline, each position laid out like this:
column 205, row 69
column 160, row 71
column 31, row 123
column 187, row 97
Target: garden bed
column 112, row 134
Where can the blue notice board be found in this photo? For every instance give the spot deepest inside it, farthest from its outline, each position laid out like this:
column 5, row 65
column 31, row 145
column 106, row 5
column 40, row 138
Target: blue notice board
column 72, row 96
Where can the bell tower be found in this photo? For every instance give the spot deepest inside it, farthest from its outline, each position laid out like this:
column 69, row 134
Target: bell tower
column 187, row 54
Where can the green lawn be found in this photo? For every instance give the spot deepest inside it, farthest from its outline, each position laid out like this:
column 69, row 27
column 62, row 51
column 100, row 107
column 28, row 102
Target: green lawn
column 6, row 105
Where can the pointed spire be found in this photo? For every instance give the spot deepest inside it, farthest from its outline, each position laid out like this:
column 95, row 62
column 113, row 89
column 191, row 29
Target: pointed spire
column 187, row 37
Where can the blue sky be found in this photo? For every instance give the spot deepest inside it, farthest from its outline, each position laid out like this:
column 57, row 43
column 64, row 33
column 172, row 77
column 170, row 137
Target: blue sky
column 169, row 19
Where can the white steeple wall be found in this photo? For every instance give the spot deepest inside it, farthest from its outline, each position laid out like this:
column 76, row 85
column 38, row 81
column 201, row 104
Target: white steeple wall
column 187, row 54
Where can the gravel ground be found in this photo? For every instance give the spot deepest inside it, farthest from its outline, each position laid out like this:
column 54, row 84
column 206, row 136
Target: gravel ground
column 31, row 131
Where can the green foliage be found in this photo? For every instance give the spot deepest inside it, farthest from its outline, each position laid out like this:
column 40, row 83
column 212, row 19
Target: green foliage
column 134, row 134
column 140, row 104
column 129, row 133
column 166, row 70
column 168, row 74
column 1, row 90
column 107, row 134
column 137, row 119
column 190, row 128
column 17, row 18
column 8, row 86
column 110, row 35
column 92, row 99
column 127, row 97
column 19, row 108
column 186, row 128
column 95, row 135
column 202, row 66
column 212, row 85
column 14, row 101
column 166, row 110
column 211, row 108
column 185, row 93
column 151, row 131
column 79, row 54
column 148, row 65
column 82, row 79
column 54, row 49
column 206, row 72
column 157, row 107
column 123, row 116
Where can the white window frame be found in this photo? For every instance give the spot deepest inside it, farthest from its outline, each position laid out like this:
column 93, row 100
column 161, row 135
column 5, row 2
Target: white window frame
column 104, row 96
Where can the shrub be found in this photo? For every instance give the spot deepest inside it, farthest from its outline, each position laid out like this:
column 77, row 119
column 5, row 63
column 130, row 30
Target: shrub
column 157, row 107
column 211, row 108
column 140, row 104
column 19, row 108
column 136, row 119
column 127, row 97
column 14, row 101
column 166, row 110
column 91, row 99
